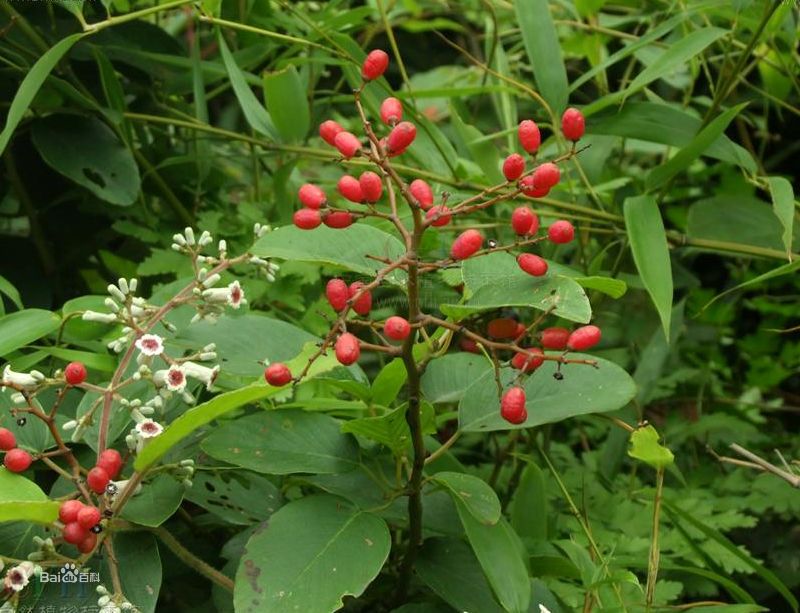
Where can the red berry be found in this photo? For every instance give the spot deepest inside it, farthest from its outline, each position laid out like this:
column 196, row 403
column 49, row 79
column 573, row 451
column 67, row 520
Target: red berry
column 338, row 219
column 391, row 111
column 555, row 338
column 524, row 221
column 532, row 264
column 397, row 328
column 467, row 344
column 347, row 349
column 546, row 176
column 278, row 374
column 513, row 167
column 528, row 363
column 7, row 439
column 584, row 338
column 385, row 147
column 88, row 544
column 88, row 517
column 371, row 186
column 422, row 192
column 529, row 136
column 374, row 65
column 439, row 215
column 75, row 373
column 502, row 328
column 74, row 533
column 97, row 479
column 512, row 406
column 68, row 511
column 530, row 190
column 401, row 136
column 363, row 304
column 311, row 196
column 347, row 144
column 522, row 330
column 17, row 460
column 337, row 293
column 573, row 124
column 350, row 188
column 466, row 244
column 111, row 461
column 307, row 219
column 328, row 131
column 560, row 232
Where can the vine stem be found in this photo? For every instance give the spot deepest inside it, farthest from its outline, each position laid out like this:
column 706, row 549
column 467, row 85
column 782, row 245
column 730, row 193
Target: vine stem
column 191, row 560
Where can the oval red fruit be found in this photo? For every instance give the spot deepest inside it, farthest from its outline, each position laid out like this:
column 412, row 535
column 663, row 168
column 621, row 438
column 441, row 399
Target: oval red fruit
column 363, row 304
column 337, row 293
column 532, row 264
column 530, row 190
column 110, row 461
column 529, row 136
column 555, row 338
column 401, row 136
column 512, row 406
column 524, row 221
column 573, row 124
column 438, row 215
column 391, row 111
column 526, row 362
column 307, row 219
column 560, row 232
column 466, row 245
column 338, row 219
column 546, row 176
column 97, row 479
column 371, row 186
column 513, row 167
column 17, row 460
column 7, row 439
column 584, row 338
column 311, row 196
column 522, row 330
column 502, row 328
column 88, row 517
column 467, row 344
column 375, row 64
column 347, row 349
column 278, row 374
column 347, row 144
column 74, row 533
column 68, row 511
column 350, row 188
column 88, row 544
column 328, row 131
column 75, row 373
column 422, row 192
column 397, row 328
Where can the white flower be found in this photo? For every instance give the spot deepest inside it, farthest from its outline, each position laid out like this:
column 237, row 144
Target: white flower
column 103, row 318
column 150, row 344
column 17, row 576
column 543, row 609
column 236, row 295
column 201, row 373
column 173, row 378
column 21, row 379
column 147, row 428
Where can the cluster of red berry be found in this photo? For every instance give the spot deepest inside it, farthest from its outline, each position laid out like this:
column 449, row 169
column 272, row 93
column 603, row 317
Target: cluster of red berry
column 81, row 524
column 108, row 465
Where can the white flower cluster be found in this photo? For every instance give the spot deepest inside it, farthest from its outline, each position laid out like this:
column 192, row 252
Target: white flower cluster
column 17, row 577
column 108, row 605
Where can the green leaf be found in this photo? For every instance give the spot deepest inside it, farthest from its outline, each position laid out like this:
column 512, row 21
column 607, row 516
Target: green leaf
column 45, row 512
column 645, row 447
column 16, row 488
column 529, row 508
column 483, row 151
column 388, row 382
column 495, row 281
column 238, row 497
column 86, row 151
column 287, row 103
column 218, row 406
column 23, row 327
column 681, row 160
column 284, row 442
column 347, row 248
column 473, row 493
column 254, row 112
column 583, row 390
column 139, row 569
column 786, row 269
column 313, row 552
column 499, row 553
column 449, row 567
column 648, row 241
column 390, row 429
column 447, row 378
column 92, row 361
column 155, row 503
column 31, row 83
column 8, row 289
column 783, row 206
column 544, row 51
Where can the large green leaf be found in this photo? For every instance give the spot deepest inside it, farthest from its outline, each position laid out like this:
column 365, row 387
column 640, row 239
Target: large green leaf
column 16, row 488
column 284, row 442
column 390, row 429
column 30, row 85
column 783, row 206
column 648, row 241
column 447, row 378
column 529, row 508
column 449, row 567
column 473, row 493
column 544, row 51
column 45, row 512
column 347, row 248
column 23, row 327
column 495, row 281
column 238, row 497
column 86, row 151
column 582, row 390
column 287, row 103
column 139, row 569
column 155, row 503
column 313, row 552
